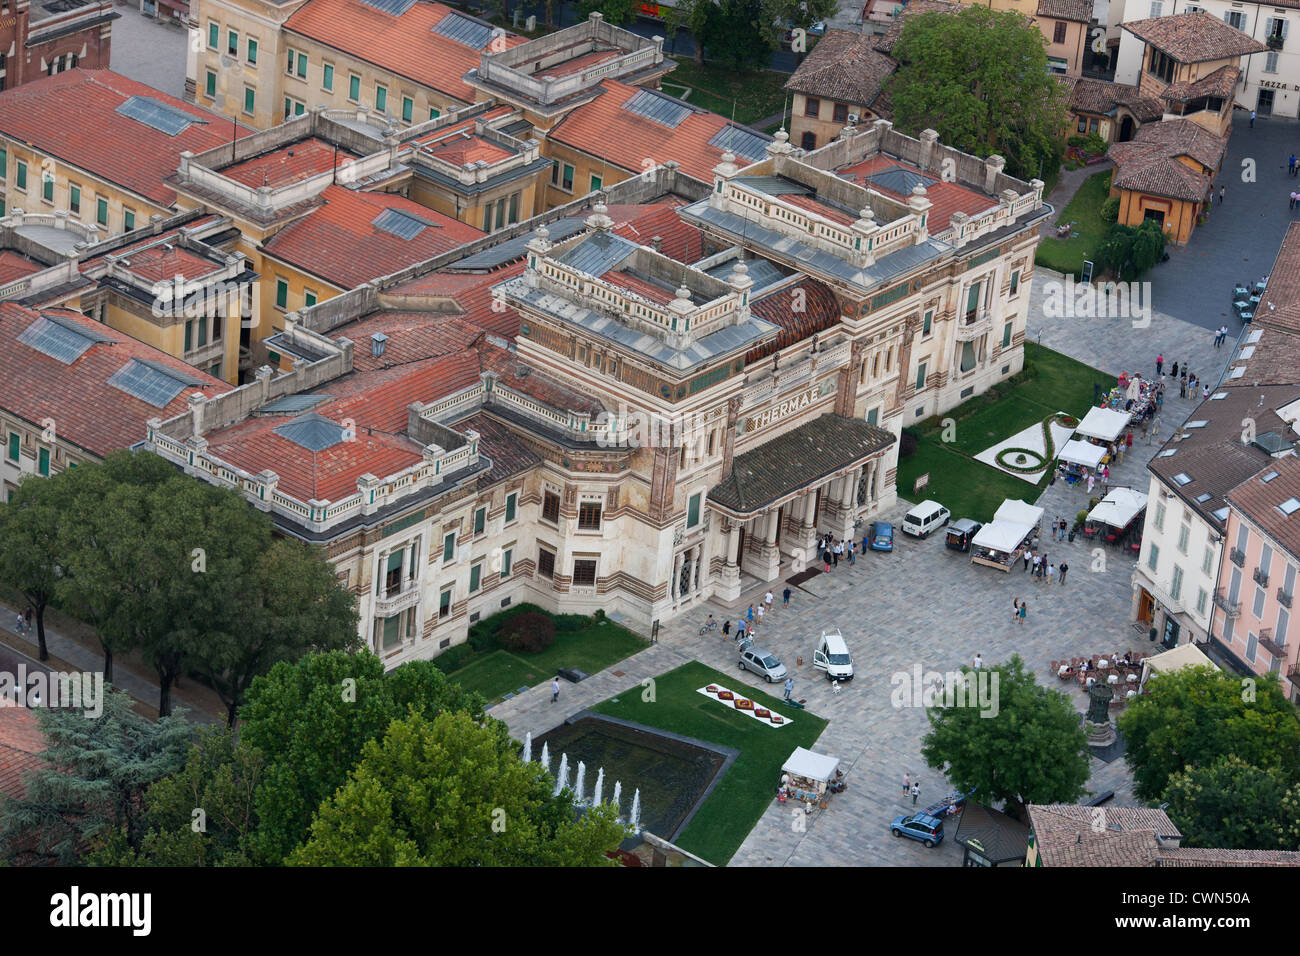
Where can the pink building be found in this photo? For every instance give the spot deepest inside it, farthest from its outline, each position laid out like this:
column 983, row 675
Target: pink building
column 1250, row 626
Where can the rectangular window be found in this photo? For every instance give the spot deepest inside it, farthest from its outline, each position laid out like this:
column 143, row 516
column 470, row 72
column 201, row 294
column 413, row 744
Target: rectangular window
column 589, row 516
column 4, row 163
column 281, row 294
column 1270, row 61
column 487, row 218
column 1015, row 282
column 1006, row 336
column 1257, row 607
column 927, row 323
column 1201, row 598
column 920, row 376
column 43, row 460
column 512, row 502
column 480, row 520
column 74, row 199
column 250, row 99
column 448, row 547
column 15, row 444
column 1208, row 561
column 567, row 182
column 475, row 577
column 1252, row 645
column 841, row 113
column 189, row 335
column 584, row 573
column 203, row 330
column 1058, row 33
column 302, row 65
column 596, row 183
column 327, row 77
column 354, row 87
column 22, row 175
column 506, row 556
column 545, row 563
column 693, row 511
column 408, row 109
column 232, row 43
column 214, row 35
column 812, row 106
column 434, row 113
column 308, row 298
column 1156, row 7
column 47, row 188
column 514, row 208
column 101, row 211
column 501, row 213
column 873, row 417
column 1233, row 18
column 1160, row 517
column 1153, row 558
column 210, row 84
column 1176, row 589
column 381, row 99
column 444, row 604
column 252, row 51
column 551, row 507
column 1184, row 533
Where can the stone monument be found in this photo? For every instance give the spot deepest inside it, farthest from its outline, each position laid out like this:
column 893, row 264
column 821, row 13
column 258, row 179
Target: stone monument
column 1097, row 722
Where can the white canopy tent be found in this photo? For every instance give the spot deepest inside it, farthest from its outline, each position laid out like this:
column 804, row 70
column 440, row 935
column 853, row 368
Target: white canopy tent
column 1015, row 511
column 1104, row 424
column 1184, row 655
column 1119, row 508
column 1083, row 453
column 812, row 766
column 1001, row 536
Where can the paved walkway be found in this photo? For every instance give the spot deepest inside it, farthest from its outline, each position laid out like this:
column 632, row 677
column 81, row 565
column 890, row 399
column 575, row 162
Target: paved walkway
column 1063, row 192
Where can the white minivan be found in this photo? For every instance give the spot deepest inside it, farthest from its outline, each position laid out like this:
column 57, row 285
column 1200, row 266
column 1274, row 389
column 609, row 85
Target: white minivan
column 924, row 518
column 832, row 656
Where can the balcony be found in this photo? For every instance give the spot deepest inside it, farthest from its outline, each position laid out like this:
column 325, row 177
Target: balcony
column 1283, row 597
column 388, row 604
column 1261, row 577
column 1237, row 557
column 1231, row 609
column 1266, row 641
column 1275, row 42
column 974, row 324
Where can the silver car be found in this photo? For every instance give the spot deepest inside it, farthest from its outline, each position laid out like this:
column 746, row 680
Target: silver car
column 761, row 662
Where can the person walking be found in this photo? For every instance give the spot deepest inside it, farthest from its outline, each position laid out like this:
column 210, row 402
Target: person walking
column 1064, row 567
column 785, row 597
column 768, row 599
column 789, row 687
column 555, row 688
column 1091, row 481
column 760, row 615
column 726, row 628
column 1015, row 609
column 853, row 549
column 1252, row 119
column 18, row 623
column 1051, row 573
column 1038, row 560
column 916, row 793
column 1221, row 191
column 749, row 615
column 1292, row 199
column 1182, row 387
column 1290, row 165
column 1160, row 364
column 836, row 552
column 907, row 783
column 1173, row 370
column 1205, row 394
column 979, row 660
column 1023, row 611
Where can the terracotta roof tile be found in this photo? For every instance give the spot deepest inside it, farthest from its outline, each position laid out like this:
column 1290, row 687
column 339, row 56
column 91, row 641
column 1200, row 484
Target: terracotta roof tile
column 1194, row 37
column 73, row 117
column 472, row 296
column 87, row 411
column 946, row 198
column 468, row 148
column 820, row 312
column 509, row 455
column 288, row 164
column 1079, row 11
column 1283, row 291
column 843, row 66
column 679, row 239
column 21, row 743
column 1102, row 96
column 412, row 336
column 158, row 263
column 339, row 242
column 15, row 266
column 405, row 45
column 445, row 132
column 539, row 385
column 1259, row 501
column 1220, row 83
column 1150, row 161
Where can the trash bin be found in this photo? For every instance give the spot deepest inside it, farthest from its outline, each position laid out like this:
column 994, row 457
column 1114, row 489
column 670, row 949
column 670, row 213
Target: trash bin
column 1071, row 535
column 1153, row 634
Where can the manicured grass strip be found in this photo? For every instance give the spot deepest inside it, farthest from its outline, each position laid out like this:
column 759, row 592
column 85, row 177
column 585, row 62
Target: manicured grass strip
column 1084, row 210
column 749, row 787
column 969, row 488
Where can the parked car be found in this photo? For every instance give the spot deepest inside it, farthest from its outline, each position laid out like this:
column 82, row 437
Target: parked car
column 832, row 656
column 961, row 532
column 815, row 30
column 919, row 826
column 880, row 536
column 761, row 662
column 925, row 517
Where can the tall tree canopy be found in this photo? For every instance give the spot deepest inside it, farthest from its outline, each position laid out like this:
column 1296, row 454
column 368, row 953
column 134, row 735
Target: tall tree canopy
column 29, row 543
column 1235, row 806
column 979, row 78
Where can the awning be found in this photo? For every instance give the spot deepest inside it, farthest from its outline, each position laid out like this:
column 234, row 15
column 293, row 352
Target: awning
column 1083, row 453
column 788, row 464
column 805, row 763
column 1015, row 511
column 1104, row 424
column 1002, row 536
column 1119, row 508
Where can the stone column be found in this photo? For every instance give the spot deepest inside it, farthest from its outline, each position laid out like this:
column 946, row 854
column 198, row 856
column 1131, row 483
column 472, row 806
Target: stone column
column 381, row 574
column 697, row 573
column 847, row 510
column 676, row 573
column 769, row 555
column 729, row 586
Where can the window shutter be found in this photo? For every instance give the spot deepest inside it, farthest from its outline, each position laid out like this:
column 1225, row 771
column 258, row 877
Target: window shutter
column 395, row 560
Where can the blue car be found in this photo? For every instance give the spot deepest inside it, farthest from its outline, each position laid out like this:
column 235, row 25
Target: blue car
column 919, row 826
column 880, row 537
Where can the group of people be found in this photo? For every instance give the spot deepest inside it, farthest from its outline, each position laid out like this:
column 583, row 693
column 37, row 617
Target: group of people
column 1043, row 569
column 747, row 626
column 1186, row 379
column 24, row 623
column 831, row 549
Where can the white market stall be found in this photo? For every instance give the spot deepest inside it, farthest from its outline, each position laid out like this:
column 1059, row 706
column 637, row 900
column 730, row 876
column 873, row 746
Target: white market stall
column 1082, row 453
column 1119, row 508
column 1103, row 424
column 1184, row 655
column 1015, row 511
column 996, row 543
column 806, row 775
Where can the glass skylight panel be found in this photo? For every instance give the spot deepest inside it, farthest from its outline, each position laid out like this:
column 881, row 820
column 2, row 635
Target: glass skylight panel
column 63, row 342
column 742, row 142
column 1290, row 506
column 1182, row 478
column 393, row 7
column 148, row 383
column 400, row 224
column 463, row 30
column 156, row 114
column 313, row 432
column 658, row 108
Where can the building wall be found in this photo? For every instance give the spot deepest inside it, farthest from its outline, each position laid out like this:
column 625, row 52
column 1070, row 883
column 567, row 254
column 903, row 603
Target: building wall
column 218, row 356
column 1180, row 214
column 824, row 127
column 585, row 167
column 296, row 284
column 1071, row 49
column 91, row 47
column 470, row 209
column 38, row 442
column 1177, row 537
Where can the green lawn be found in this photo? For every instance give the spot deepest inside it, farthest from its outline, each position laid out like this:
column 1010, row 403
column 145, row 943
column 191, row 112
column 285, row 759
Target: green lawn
column 1084, row 212
column 972, row 489
column 749, row 95
column 749, row 787
column 590, row 649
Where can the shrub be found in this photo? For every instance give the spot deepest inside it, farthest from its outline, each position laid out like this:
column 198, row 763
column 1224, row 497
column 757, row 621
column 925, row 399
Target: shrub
column 1081, row 519
column 528, row 633
column 454, row 658
column 907, row 443
column 1110, row 209
column 1092, row 503
column 482, row 638
column 567, row 623
column 1078, row 142
column 1095, row 145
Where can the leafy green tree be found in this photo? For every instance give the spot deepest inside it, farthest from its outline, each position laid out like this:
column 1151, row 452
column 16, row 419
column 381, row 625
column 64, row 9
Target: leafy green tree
column 89, row 790
column 777, row 15
column 1194, row 717
column 1115, row 251
column 1033, row 750
column 310, row 720
column 29, row 544
column 1235, row 806
column 617, row 12
column 1148, row 247
column 733, row 32
column 979, row 78
column 452, row 792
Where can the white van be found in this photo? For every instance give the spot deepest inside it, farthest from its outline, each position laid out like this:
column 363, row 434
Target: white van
column 832, row 656
column 924, row 518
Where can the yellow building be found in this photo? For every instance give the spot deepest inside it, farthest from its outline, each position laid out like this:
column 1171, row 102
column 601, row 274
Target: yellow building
column 1064, row 25
column 1166, row 173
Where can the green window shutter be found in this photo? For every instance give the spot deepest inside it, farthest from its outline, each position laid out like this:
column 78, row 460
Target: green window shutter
column 505, row 562
column 475, row 574
column 354, row 88
column 22, row 175
column 273, row 356
column 514, row 209
column 595, row 183
column 693, row 511
column 214, row 34
column 250, row 99
column 15, row 443
column 433, row 113
column 128, row 220
column 74, row 198
column 381, row 98
column 45, row 461
column 281, row 294
column 302, row 65
column 511, row 501
column 920, row 376
column 327, row 79
column 4, row 163
column 1006, row 335
column 252, row 50
column 392, row 634
column 872, row 416
column 1015, row 281
column 210, row 86
column 927, row 323
column 973, row 298
column 448, row 547
column 480, row 520
column 101, row 211
column 189, row 335
column 408, row 109
column 299, row 109
column 203, row 331
column 308, row 298
column 394, row 561
column 47, row 189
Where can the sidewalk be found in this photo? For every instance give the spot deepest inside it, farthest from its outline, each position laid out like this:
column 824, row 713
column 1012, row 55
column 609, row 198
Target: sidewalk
column 79, row 657
column 1066, row 187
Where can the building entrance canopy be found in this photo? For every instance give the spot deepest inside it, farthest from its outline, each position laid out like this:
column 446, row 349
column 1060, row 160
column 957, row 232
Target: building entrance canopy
column 789, row 464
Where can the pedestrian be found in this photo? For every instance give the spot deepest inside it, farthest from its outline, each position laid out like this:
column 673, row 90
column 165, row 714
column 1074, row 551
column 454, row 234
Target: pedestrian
column 979, row 661
column 555, row 688
column 1160, row 400
column 1173, row 370
column 1293, row 200
column 916, row 793
column 826, row 556
column 907, row 783
column 749, row 615
column 1091, row 480
column 740, row 630
column 760, row 615
column 1029, row 556
column 768, row 598
column 1205, row 394
column 1221, row 191
column 1023, row 611
column 836, row 552
column 789, row 687
column 1051, row 573
column 726, row 628
column 786, row 597
column 1191, row 383
column 1252, row 119
column 18, row 624
column 1015, row 609
column 1038, row 559
column 1064, row 567
column 853, row 559
column 1290, row 166
column 1160, row 364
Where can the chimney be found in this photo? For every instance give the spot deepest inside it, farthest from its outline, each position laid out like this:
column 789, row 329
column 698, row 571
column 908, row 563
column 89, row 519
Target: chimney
column 656, row 243
column 196, row 402
column 928, row 138
column 992, row 167
column 378, row 342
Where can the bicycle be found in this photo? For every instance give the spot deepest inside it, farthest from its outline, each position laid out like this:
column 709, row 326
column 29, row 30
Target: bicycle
column 710, row 625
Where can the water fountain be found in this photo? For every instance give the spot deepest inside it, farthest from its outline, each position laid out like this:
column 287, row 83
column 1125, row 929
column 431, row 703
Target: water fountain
column 582, row 779
column 546, row 757
column 618, row 795
column 528, row 747
column 634, row 818
column 599, row 792
column 562, row 778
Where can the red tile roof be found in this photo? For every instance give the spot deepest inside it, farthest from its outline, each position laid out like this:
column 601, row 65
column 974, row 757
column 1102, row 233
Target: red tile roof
column 412, row 336
column 1259, row 501
column 466, row 124
column 15, row 266
column 625, row 139
column 820, row 312
column 472, row 294
column 87, row 411
column 405, row 45
column 580, row 63
column 73, row 117
column 158, row 263
column 1080, row 11
column 946, row 198
column 508, row 454
column 468, row 148
column 844, row 66
column 170, row 235
column 1283, row 290
column 679, row 239
column 1194, row 37
column 21, row 742
column 539, row 385
column 339, row 242
column 1150, row 162
column 288, row 164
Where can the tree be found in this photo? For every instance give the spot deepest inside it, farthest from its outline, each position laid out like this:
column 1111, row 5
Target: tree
column 617, row 12
column 29, row 544
column 979, row 78
column 452, row 792
column 94, row 774
column 1234, row 806
column 1115, row 252
column 733, row 33
column 310, row 720
column 1194, row 717
column 1031, row 750
column 1148, row 247
column 778, row 15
